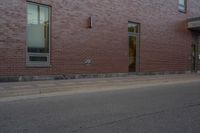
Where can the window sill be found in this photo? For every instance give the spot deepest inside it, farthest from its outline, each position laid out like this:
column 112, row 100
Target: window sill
column 38, row 66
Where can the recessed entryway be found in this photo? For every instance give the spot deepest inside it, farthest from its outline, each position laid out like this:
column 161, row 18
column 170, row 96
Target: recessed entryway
column 133, row 35
column 194, row 52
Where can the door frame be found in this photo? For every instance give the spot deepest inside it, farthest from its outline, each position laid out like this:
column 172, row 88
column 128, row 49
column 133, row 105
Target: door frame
column 137, row 35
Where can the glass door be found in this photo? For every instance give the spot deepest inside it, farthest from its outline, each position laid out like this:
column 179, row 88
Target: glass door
column 133, row 35
column 194, row 52
column 132, row 53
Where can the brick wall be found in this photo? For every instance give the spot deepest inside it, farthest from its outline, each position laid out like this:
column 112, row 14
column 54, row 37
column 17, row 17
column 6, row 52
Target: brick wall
column 165, row 43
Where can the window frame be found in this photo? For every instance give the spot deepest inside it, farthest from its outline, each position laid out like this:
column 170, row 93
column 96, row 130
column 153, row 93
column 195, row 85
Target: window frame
column 31, row 54
column 180, row 6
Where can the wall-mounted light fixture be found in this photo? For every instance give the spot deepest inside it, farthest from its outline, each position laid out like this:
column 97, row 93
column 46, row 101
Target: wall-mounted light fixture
column 90, row 22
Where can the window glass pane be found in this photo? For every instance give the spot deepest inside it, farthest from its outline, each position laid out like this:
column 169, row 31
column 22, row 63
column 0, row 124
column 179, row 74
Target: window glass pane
column 38, row 28
column 181, row 2
column 44, row 15
column 32, row 14
column 132, row 27
column 182, row 5
column 44, row 21
column 181, row 8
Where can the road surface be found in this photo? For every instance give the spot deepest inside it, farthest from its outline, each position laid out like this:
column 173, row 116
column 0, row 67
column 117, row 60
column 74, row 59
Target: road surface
column 169, row 108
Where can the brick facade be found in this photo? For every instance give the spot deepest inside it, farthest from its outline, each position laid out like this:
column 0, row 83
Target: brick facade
column 165, row 41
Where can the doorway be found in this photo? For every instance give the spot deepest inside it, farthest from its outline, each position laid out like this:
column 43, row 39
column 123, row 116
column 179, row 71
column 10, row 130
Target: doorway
column 194, row 52
column 133, row 35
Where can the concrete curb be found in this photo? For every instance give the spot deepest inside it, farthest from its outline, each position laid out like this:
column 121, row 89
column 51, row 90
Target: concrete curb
column 43, row 87
column 63, row 91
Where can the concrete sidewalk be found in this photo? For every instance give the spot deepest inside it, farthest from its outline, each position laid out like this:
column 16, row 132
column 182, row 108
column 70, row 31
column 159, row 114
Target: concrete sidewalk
column 43, row 87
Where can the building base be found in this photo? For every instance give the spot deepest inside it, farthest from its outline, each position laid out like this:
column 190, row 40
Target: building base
column 81, row 76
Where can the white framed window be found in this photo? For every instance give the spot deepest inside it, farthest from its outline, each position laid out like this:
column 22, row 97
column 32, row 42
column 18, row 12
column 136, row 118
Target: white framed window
column 182, row 5
column 38, row 35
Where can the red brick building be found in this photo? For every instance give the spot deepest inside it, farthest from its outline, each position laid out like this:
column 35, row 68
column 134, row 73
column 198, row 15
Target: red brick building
column 62, row 37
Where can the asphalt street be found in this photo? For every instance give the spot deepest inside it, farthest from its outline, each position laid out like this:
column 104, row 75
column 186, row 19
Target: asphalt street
column 171, row 108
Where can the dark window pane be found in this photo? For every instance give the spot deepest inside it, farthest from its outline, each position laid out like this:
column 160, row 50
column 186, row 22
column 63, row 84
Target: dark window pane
column 35, row 58
column 38, row 50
